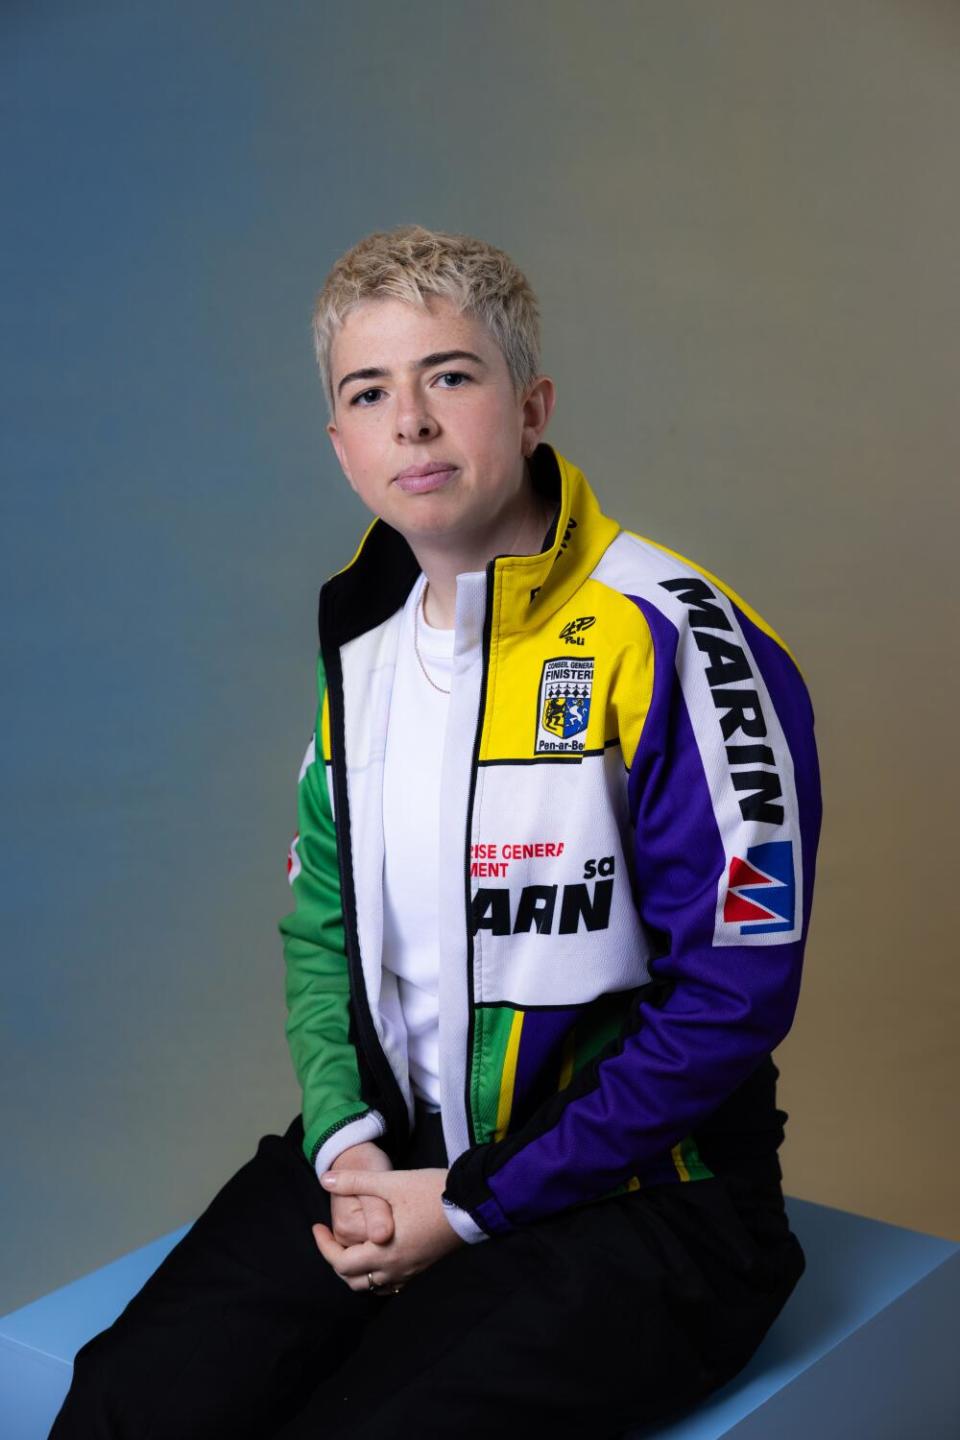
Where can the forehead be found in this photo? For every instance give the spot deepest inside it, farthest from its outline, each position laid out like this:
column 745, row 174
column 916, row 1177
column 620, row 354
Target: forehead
column 388, row 333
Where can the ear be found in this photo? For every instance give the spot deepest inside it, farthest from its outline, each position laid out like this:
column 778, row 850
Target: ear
column 536, row 411
column 338, row 445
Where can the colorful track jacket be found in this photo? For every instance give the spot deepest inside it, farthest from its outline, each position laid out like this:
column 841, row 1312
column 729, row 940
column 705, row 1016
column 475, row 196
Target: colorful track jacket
column 630, row 813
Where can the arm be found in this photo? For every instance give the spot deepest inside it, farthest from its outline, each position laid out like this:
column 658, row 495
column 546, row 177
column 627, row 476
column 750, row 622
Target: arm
column 340, row 1127
column 336, row 1116
column 723, row 870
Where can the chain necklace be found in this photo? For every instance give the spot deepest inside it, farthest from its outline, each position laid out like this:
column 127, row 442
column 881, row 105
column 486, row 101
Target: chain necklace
column 421, row 610
column 416, row 640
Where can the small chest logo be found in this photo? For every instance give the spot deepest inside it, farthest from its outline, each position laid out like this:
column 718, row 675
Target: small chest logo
column 572, row 633
column 563, row 710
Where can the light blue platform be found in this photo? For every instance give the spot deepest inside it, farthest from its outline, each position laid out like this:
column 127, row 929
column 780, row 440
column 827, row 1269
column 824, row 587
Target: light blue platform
column 866, row 1349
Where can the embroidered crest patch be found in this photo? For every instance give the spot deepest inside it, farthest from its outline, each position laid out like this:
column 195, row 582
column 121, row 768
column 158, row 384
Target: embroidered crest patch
column 563, row 710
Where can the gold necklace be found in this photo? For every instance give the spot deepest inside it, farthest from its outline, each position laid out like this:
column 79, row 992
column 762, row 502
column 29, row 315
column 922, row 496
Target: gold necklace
column 416, row 640
column 421, row 610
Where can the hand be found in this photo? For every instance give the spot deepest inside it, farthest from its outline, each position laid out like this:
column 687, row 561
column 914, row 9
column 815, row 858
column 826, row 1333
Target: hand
column 422, row 1235
column 354, row 1217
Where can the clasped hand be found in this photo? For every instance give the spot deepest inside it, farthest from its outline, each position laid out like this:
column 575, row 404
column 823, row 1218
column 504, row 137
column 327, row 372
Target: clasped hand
column 386, row 1223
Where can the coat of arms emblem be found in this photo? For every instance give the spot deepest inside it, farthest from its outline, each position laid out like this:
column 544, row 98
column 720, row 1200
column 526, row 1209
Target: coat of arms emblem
column 564, row 705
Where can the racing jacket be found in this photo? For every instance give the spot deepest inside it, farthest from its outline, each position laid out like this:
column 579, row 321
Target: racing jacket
column 630, row 809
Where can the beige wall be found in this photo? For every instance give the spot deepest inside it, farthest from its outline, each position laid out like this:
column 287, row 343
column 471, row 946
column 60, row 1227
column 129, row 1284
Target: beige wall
column 769, row 240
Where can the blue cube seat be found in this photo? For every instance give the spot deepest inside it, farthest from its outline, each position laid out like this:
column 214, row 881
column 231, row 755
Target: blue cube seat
column 864, row 1348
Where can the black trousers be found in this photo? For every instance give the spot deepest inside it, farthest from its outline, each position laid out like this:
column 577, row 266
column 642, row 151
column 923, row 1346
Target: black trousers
column 609, row 1315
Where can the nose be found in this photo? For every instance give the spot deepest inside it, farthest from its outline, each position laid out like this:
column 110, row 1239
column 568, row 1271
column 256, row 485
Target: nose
column 414, row 420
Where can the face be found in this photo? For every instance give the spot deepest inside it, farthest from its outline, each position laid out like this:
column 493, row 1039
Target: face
column 427, row 427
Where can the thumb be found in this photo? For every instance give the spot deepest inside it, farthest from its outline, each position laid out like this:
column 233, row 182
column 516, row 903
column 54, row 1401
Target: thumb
column 379, row 1218
column 359, row 1182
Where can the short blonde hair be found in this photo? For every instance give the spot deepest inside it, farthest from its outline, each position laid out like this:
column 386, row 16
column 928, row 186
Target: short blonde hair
column 409, row 263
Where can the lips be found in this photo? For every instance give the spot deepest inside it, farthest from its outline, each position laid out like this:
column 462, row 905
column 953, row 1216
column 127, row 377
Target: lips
column 418, row 479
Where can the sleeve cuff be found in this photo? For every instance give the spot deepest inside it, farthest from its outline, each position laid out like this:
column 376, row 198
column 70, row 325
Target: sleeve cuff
column 463, row 1222
column 366, row 1127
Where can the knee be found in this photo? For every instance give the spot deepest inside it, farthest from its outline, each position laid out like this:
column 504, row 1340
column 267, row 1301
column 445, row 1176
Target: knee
column 94, row 1406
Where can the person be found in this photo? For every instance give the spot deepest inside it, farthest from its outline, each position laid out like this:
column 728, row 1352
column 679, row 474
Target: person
column 551, row 882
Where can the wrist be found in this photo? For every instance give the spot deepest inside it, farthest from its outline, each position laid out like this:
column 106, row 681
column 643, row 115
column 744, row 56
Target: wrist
column 365, row 1156
column 462, row 1223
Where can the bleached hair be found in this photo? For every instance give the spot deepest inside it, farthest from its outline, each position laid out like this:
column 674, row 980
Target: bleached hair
column 409, row 263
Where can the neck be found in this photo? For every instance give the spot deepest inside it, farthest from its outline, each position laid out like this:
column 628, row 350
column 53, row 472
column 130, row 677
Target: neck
column 519, row 531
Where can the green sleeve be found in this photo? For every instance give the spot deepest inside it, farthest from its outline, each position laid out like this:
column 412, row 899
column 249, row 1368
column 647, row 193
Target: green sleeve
column 317, row 979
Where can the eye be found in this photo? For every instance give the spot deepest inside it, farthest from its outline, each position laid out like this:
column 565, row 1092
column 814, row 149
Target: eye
column 362, row 396
column 457, row 376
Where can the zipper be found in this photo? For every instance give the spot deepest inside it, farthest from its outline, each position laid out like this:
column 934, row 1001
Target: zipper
column 484, row 676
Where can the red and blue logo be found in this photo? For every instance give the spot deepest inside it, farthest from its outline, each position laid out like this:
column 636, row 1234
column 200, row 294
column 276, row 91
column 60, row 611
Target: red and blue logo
column 762, row 889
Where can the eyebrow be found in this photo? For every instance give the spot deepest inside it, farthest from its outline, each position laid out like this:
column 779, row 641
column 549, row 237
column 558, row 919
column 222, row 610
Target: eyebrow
column 439, row 357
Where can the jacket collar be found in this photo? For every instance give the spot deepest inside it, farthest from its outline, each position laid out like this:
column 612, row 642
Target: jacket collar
column 534, row 586
column 378, row 579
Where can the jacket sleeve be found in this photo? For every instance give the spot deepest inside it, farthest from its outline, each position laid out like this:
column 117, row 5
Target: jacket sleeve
column 335, row 1115
column 724, row 797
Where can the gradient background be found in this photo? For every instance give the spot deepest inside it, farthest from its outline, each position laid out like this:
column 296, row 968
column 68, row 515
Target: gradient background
column 742, row 221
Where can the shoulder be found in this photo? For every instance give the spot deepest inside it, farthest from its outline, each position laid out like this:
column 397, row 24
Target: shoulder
column 675, row 594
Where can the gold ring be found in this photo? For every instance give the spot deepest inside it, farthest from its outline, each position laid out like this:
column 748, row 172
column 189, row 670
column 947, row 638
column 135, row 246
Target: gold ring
column 376, row 1289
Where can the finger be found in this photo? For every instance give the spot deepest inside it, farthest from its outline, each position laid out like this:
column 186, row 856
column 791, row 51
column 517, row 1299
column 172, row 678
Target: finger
column 351, row 1262
column 331, row 1252
column 350, row 1219
column 379, row 1219
column 361, row 1284
column 351, row 1233
column 356, row 1261
column 328, row 1246
column 359, row 1182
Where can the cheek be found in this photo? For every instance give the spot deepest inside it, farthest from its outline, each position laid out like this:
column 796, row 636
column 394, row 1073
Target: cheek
column 360, row 454
column 495, row 433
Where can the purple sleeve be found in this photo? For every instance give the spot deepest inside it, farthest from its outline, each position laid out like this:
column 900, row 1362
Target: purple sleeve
column 725, row 800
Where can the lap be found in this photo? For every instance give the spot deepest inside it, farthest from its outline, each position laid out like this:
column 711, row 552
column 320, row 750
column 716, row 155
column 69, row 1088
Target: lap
column 237, row 1324
column 590, row 1321
column 604, row 1317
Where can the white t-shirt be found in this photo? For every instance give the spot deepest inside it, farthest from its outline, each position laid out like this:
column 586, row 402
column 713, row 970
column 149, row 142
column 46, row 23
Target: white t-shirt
column 411, row 833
